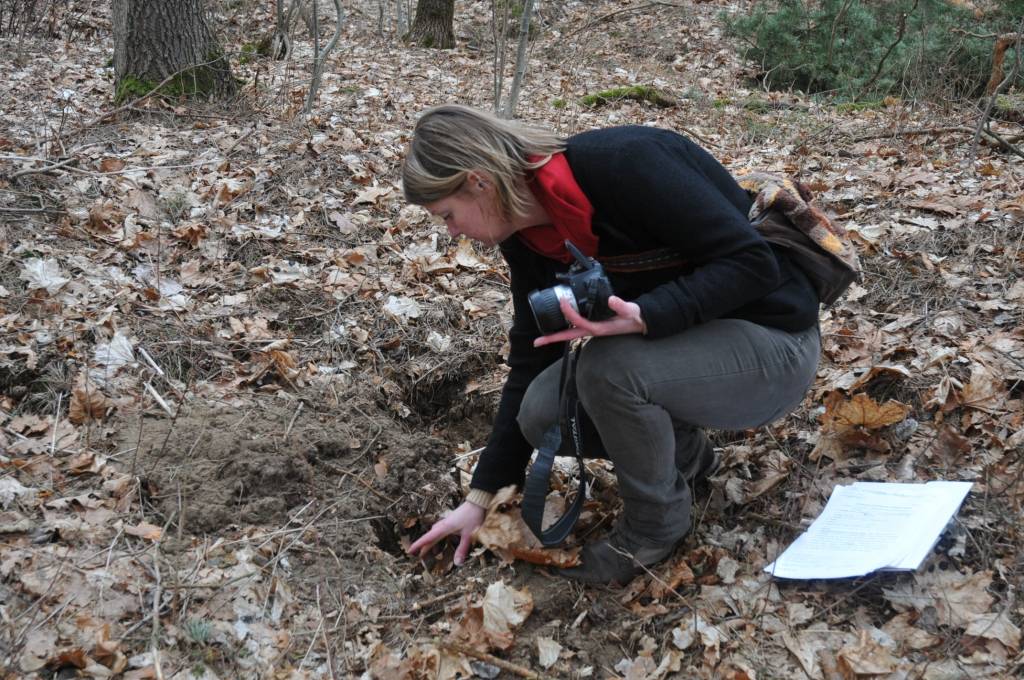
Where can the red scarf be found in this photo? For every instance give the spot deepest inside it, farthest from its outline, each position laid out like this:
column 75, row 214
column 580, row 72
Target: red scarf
column 567, row 206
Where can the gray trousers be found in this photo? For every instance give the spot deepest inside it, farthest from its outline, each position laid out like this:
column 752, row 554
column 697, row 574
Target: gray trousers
column 649, row 400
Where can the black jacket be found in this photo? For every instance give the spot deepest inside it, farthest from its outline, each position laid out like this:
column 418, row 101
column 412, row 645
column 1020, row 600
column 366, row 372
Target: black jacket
column 650, row 189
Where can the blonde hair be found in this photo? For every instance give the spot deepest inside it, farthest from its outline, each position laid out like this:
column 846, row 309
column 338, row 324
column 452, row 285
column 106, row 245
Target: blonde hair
column 450, row 141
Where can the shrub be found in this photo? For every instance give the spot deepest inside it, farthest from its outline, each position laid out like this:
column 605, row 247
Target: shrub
column 19, row 18
column 858, row 48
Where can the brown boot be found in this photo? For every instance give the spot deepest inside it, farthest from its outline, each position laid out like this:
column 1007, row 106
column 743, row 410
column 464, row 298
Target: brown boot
column 618, row 558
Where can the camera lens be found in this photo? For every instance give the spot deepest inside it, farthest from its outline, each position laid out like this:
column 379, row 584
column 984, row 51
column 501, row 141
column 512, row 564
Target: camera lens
column 546, row 312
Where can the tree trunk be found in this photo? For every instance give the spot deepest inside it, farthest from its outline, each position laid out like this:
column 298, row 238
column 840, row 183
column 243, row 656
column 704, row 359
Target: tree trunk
column 434, row 24
column 157, row 39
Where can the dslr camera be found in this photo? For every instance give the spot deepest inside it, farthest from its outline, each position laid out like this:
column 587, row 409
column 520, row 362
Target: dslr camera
column 585, row 286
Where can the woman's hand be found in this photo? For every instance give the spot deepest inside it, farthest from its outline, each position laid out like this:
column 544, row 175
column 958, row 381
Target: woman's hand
column 463, row 520
column 627, row 320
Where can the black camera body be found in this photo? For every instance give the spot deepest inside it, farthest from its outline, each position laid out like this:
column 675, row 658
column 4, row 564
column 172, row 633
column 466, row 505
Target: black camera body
column 585, row 286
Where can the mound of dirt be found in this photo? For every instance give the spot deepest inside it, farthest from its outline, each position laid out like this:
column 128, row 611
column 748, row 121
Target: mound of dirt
column 215, row 468
column 212, row 470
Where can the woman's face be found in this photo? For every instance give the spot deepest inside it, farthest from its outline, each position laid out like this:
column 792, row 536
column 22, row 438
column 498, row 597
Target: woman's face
column 473, row 211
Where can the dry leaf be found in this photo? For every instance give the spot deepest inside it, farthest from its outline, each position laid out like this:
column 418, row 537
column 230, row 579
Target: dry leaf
column 996, row 627
column 38, row 646
column 958, row 598
column 150, row 532
column 548, row 652
column 909, row 636
column 466, row 256
column 114, row 354
column 985, row 391
column 860, row 411
column 950, row 445
column 371, row 195
column 811, row 645
column 111, row 165
column 505, row 534
column 504, row 610
column 679, row 575
column 87, row 404
column 867, row 657
column 43, row 275
column 492, row 623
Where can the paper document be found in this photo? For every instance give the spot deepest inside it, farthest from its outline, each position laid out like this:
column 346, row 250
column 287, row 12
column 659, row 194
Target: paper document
column 869, row 526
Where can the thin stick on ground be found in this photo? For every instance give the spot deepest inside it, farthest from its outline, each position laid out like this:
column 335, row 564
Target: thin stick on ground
column 327, row 643
column 491, row 659
column 993, row 137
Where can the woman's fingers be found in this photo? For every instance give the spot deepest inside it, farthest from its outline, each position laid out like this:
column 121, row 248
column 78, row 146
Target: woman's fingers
column 465, row 542
column 571, row 315
column 560, row 336
column 425, row 542
column 627, row 319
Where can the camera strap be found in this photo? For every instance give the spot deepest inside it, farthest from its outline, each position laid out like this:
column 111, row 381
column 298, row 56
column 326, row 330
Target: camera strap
column 535, row 491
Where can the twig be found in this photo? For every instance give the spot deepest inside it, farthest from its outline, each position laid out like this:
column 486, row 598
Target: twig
column 321, row 56
column 628, row 555
column 291, row 423
column 284, row 551
column 897, row 41
column 149, row 360
column 987, row 36
column 993, row 89
column 154, row 635
column 380, row 428
column 319, row 629
column 489, row 658
column 56, row 421
column 607, row 16
column 45, row 168
column 220, row 584
column 327, row 644
column 159, row 399
column 994, row 137
column 423, row 604
column 19, row 211
column 356, row 477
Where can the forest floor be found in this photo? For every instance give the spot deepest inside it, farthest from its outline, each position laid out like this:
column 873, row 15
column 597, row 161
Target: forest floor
column 238, row 374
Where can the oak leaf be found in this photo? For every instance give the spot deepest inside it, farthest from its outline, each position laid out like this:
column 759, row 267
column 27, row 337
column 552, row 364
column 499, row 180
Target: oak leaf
column 860, row 411
column 505, row 534
column 867, row 657
column 87, row 404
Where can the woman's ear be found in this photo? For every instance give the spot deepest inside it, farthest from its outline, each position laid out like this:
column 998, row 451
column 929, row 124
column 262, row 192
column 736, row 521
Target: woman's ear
column 479, row 180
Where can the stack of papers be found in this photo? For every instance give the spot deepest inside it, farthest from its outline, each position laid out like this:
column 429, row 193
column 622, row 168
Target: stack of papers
column 869, row 526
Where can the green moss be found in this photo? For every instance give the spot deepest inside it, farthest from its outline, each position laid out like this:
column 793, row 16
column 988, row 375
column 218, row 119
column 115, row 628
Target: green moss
column 866, row 105
column 757, row 105
column 249, row 52
column 1009, row 106
column 640, row 93
column 558, row 103
column 131, row 87
column 721, row 103
column 202, row 81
